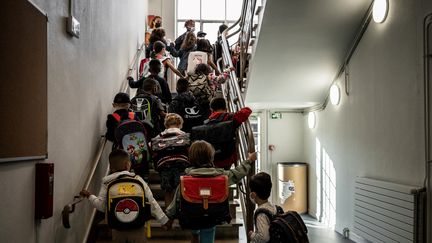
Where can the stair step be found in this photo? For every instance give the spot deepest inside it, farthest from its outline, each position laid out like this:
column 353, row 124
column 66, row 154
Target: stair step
column 225, row 231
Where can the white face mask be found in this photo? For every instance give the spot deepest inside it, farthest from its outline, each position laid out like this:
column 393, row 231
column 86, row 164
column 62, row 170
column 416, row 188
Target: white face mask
column 191, row 29
column 252, row 200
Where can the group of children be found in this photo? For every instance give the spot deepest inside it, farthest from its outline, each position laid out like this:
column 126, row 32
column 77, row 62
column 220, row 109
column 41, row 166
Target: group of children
column 171, row 150
column 201, row 156
column 196, row 160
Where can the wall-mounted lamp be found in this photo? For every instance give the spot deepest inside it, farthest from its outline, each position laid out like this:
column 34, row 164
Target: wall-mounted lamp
column 311, row 119
column 334, row 94
column 380, row 10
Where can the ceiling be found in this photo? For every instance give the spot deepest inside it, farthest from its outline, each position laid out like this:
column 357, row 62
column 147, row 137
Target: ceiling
column 300, row 49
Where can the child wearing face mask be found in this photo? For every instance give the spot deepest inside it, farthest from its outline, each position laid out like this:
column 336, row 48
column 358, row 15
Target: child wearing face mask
column 260, row 186
column 155, row 23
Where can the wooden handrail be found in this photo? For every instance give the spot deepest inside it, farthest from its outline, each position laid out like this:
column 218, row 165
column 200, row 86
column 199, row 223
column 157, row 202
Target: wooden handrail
column 70, row 208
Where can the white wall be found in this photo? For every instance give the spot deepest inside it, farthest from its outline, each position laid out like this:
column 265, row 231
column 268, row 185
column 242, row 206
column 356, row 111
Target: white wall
column 377, row 131
column 286, row 135
column 165, row 9
column 83, row 76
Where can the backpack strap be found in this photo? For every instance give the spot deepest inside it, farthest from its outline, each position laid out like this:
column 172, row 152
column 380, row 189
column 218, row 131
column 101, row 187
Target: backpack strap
column 264, row 211
column 132, row 115
column 279, row 210
column 268, row 213
column 116, row 116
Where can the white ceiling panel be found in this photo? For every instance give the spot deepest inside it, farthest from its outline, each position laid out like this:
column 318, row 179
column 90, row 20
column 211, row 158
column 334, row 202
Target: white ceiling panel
column 301, row 46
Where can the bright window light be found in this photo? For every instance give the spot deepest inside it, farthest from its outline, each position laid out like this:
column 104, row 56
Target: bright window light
column 311, row 120
column 334, row 94
column 380, row 10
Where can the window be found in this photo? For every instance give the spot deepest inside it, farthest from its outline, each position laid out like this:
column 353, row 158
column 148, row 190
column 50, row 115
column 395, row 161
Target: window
column 255, row 124
column 208, row 15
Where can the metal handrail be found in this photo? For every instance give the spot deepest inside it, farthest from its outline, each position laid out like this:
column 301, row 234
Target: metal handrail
column 427, row 57
column 70, row 207
column 232, row 92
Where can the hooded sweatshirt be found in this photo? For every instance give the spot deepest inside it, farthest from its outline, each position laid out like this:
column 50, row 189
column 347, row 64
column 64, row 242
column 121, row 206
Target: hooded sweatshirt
column 100, row 201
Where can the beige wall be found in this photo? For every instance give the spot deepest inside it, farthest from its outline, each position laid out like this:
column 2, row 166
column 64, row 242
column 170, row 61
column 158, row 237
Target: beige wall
column 83, row 76
column 165, row 9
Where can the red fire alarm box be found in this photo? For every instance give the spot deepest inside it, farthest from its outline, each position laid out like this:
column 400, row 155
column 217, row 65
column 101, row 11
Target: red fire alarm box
column 44, row 190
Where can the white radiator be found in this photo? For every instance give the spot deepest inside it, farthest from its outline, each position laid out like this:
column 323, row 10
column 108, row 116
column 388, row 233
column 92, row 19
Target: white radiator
column 388, row 212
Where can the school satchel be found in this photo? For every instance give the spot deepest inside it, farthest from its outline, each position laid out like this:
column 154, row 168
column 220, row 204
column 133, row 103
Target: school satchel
column 204, row 202
column 218, row 132
column 173, row 147
column 126, row 207
column 285, row 227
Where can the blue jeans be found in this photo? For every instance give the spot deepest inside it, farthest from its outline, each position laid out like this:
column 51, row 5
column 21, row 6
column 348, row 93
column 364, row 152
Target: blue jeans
column 205, row 235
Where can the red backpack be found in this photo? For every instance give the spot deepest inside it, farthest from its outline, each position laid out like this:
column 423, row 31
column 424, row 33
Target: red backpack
column 204, row 202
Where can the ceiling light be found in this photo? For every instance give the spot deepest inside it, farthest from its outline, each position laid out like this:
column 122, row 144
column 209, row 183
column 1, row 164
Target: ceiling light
column 380, row 10
column 334, row 94
column 311, row 120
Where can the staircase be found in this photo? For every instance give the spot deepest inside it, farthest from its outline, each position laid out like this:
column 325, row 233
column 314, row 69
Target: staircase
column 100, row 232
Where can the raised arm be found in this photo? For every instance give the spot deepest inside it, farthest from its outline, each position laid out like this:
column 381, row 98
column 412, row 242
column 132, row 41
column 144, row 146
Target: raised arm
column 171, row 66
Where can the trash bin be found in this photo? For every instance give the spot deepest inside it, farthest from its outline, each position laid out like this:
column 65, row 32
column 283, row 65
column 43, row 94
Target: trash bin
column 292, row 187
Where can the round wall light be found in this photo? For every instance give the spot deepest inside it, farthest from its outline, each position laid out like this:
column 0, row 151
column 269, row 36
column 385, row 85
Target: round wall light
column 334, row 94
column 380, row 10
column 311, row 120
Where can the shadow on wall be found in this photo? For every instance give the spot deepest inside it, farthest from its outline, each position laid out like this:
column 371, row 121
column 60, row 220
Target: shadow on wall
column 325, row 173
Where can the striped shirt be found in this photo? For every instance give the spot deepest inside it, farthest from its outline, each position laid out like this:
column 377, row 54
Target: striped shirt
column 262, row 225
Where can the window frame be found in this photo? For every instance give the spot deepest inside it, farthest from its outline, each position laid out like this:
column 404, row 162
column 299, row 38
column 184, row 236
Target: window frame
column 202, row 21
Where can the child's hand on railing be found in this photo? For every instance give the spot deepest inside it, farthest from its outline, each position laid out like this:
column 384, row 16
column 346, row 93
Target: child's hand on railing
column 85, row 193
column 252, row 157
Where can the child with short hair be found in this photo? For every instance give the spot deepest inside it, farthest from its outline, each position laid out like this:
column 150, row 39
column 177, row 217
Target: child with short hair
column 119, row 167
column 154, row 68
column 219, row 113
column 201, row 155
column 172, row 155
column 121, row 104
column 157, row 109
column 260, row 188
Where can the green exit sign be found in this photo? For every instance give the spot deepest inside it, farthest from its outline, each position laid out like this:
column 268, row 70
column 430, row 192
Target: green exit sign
column 276, row 115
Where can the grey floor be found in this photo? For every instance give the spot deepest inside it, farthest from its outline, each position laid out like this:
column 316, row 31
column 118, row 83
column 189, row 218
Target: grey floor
column 320, row 233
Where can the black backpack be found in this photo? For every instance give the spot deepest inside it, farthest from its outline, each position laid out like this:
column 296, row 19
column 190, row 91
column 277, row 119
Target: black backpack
column 191, row 112
column 146, row 111
column 285, row 227
column 170, row 148
column 132, row 136
column 220, row 132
